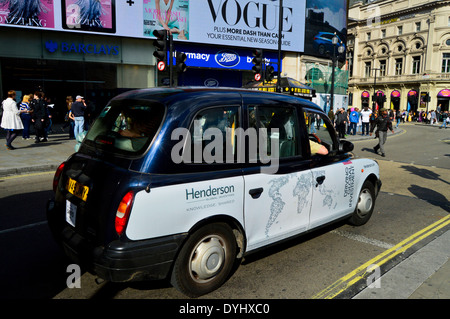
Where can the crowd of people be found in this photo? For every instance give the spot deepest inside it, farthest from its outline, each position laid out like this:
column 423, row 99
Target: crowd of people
column 35, row 112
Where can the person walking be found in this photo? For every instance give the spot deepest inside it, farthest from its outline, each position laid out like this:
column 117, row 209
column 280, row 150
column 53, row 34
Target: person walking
column 365, row 119
column 383, row 124
column 445, row 119
column 398, row 118
column 11, row 121
column 77, row 114
column 25, row 115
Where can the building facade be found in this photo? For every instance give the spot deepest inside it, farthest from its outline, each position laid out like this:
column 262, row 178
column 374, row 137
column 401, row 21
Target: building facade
column 399, row 54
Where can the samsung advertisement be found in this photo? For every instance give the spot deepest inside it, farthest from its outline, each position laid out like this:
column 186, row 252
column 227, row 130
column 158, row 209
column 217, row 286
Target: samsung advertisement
column 307, row 25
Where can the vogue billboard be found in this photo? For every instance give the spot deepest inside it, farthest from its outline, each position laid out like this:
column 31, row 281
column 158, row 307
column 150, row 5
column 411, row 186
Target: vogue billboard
column 236, row 23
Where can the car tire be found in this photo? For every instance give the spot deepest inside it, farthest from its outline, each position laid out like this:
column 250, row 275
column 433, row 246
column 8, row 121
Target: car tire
column 205, row 260
column 364, row 207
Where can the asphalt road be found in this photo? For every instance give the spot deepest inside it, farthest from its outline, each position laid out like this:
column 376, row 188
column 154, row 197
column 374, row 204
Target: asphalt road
column 414, row 195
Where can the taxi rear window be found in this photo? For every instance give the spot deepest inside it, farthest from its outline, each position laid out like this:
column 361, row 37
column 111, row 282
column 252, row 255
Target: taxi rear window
column 126, row 127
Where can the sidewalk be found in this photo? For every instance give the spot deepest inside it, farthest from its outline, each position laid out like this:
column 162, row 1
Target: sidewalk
column 428, row 269
column 29, row 157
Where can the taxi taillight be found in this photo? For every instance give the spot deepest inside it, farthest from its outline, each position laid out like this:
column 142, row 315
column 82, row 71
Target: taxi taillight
column 123, row 212
column 57, row 176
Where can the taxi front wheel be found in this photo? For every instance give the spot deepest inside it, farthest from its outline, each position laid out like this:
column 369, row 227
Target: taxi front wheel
column 365, row 206
column 205, row 260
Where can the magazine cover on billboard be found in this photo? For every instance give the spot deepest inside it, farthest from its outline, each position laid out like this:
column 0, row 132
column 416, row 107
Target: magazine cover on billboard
column 30, row 13
column 172, row 15
column 89, row 15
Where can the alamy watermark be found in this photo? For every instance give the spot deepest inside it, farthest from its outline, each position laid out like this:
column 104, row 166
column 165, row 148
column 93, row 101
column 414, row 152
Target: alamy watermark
column 210, row 147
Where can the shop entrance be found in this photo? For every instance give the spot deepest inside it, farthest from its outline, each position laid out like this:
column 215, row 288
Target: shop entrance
column 444, row 102
column 59, row 79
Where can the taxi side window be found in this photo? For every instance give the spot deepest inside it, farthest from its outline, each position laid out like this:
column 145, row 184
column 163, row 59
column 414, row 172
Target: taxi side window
column 284, row 120
column 318, row 129
column 208, row 133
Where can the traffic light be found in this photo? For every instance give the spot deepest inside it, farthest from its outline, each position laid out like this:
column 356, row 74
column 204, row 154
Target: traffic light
column 179, row 62
column 269, row 73
column 257, row 61
column 162, row 46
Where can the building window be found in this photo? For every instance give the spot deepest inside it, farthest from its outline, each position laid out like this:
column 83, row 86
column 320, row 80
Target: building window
column 367, row 69
column 418, row 25
column 446, row 63
column 368, row 36
column 383, row 33
column 398, row 66
column 416, row 65
column 383, row 68
column 400, row 30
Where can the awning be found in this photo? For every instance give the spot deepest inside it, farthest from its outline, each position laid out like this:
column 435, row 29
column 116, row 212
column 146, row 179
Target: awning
column 288, row 86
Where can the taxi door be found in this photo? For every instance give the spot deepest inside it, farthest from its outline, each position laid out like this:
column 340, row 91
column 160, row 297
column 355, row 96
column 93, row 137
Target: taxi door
column 277, row 204
column 333, row 177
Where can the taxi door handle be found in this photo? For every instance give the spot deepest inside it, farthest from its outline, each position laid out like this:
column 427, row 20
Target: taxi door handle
column 256, row 192
column 320, row 180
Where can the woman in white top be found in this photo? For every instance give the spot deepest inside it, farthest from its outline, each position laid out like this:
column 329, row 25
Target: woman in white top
column 11, row 121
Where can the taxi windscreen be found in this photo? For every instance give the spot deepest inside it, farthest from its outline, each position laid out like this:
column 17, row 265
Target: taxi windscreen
column 126, row 127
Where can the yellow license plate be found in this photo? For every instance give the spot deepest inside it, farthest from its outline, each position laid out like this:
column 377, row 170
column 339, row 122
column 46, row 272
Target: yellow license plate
column 77, row 189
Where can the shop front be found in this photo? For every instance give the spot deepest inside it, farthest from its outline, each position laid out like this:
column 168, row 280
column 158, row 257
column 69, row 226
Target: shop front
column 443, row 99
column 64, row 64
column 395, row 100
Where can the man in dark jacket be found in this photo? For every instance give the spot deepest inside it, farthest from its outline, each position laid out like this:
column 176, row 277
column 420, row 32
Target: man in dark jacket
column 383, row 124
column 39, row 116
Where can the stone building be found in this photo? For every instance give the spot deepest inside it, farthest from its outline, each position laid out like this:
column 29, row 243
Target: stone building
column 399, row 52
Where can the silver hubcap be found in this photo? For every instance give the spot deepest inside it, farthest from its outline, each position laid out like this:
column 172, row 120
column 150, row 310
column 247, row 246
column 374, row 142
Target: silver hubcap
column 207, row 258
column 365, row 202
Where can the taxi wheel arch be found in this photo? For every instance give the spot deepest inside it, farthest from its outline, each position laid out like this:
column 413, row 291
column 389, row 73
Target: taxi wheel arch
column 205, row 260
column 365, row 205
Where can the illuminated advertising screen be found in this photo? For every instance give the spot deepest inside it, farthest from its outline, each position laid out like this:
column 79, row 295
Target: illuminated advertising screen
column 324, row 20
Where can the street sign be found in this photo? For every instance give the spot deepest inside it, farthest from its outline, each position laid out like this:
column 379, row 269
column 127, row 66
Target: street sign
column 161, row 66
column 257, row 77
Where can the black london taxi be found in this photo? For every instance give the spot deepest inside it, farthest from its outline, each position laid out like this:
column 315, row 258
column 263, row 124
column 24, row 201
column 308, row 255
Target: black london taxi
column 181, row 183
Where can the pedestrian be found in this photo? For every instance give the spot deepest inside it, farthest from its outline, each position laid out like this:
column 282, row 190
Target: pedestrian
column 331, row 115
column 398, row 117
column 365, row 119
column 445, row 119
column 383, row 123
column 39, row 116
column 353, row 118
column 77, row 114
column 25, row 116
column 68, row 122
column 11, row 121
column 341, row 120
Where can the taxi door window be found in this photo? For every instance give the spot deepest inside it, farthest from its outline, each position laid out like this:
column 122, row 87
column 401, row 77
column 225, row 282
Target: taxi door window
column 213, row 135
column 284, row 120
column 318, row 128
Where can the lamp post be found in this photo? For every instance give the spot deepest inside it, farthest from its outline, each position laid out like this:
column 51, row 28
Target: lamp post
column 334, row 58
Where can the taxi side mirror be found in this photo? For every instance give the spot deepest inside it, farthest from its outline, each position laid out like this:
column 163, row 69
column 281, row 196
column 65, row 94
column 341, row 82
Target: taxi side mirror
column 345, row 146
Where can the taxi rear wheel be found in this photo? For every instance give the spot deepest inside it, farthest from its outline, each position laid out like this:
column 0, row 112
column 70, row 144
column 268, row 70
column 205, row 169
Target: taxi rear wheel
column 205, row 260
column 365, row 205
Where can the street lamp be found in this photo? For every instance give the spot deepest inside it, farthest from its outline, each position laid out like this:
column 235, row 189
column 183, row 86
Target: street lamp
column 334, row 58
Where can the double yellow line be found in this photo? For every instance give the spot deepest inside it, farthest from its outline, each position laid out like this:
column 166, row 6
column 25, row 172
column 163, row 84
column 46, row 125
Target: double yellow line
column 361, row 272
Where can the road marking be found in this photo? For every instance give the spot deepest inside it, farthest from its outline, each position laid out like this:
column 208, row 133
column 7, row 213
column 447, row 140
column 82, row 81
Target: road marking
column 360, row 273
column 362, row 239
column 21, row 227
column 26, row 175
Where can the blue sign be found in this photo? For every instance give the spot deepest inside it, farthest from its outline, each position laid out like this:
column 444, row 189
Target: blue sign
column 231, row 59
column 82, row 48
